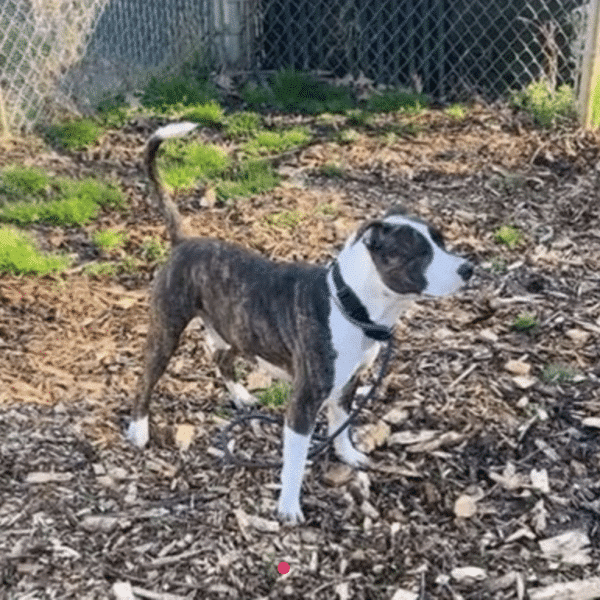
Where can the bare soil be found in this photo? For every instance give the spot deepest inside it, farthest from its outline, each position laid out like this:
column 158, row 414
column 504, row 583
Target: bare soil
column 492, row 446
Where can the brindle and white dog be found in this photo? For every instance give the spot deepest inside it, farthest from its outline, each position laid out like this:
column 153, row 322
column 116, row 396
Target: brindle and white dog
column 320, row 325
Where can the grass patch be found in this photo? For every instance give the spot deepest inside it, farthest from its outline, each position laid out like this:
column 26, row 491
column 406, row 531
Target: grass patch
column 395, row 100
column 164, row 93
column 456, row 111
column 525, row 322
column 275, row 395
column 295, row 91
column 554, row 373
column 285, row 219
column 183, row 165
column 273, row 142
column 16, row 182
column 18, row 255
column 109, row 239
column 210, row 114
column 331, row 169
column 75, row 135
column 509, row 236
column 546, row 106
column 251, row 177
column 101, row 269
column 154, row 249
column 243, row 125
column 68, row 203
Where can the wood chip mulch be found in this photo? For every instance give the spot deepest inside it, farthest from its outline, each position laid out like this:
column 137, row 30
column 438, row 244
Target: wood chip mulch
column 485, row 438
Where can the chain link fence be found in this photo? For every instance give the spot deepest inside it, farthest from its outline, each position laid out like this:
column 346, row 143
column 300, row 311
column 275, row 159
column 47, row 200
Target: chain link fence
column 68, row 53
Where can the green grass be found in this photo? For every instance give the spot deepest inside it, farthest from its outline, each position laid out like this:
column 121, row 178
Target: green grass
column 67, row 203
column 275, row 395
column 331, row 169
column 286, row 218
column 456, row 111
column 295, row 91
column 273, row 142
column 525, row 322
column 210, row 114
column 101, row 269
column 18, row 255
column 509, row 236
column 154, row 249
column 183, row 165
column 249, row 178
column 554, row 373
column 75, row 135
column 109, row 239
column 596, row 105
column 164, row 93
column 243, row 125
column 395, row 100
column 547, row 107
column 16, row 182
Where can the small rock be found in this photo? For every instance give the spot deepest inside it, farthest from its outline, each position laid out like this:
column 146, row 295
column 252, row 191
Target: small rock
column 518, row 367
column 465, row 506
column 524, row 382
column 466, row 574
column 396, row 416
column 338, row 475
column 184, row 435
column 578, row 336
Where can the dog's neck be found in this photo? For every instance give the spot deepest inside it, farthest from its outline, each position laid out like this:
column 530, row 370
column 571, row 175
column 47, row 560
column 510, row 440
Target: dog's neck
column 360, row 274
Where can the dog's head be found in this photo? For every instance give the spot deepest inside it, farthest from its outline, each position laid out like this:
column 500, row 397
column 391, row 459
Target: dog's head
column 410, row 256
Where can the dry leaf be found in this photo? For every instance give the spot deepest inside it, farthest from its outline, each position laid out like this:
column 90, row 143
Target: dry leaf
column 518, row 367
column 184, row 436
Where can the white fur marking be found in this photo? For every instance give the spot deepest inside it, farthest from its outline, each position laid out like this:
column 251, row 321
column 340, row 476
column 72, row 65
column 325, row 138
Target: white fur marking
column 138, row 432
column 174, row 130
column 295, row 450
column 342, row 443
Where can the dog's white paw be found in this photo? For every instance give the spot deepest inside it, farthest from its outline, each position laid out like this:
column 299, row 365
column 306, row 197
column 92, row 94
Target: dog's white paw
column 290, row 513
column 137, row 433
column 346, row 452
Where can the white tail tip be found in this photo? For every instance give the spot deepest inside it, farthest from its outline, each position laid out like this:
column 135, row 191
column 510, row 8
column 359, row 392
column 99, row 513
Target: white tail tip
column 174, row 130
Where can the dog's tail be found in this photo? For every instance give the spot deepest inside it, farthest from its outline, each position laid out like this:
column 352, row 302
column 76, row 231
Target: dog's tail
column 166, row 206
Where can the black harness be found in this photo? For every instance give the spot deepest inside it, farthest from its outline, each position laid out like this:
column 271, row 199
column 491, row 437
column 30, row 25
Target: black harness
column 354, row 310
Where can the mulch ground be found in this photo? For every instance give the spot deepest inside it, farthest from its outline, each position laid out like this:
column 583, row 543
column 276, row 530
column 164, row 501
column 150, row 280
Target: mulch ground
column 485, row 439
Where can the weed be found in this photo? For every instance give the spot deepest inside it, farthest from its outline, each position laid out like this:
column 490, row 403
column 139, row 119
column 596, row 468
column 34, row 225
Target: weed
column 183, row 165
column 23, row 181
column 358, row 118
column 154, row 249
column 75, row 135
column 73, row 203
column 268, row 142
column 327, row 210
column 211, row 114
column 554, row 373
column 525, row 322
column 295, row 91
column 275, row 395
column 19, row 255
column 167, row 92
column 331, row 169
column 286, row 218
column 251, row 177
column 113, row 111
column 395, row 100
column 456, row 111
column 546, row 106
column 243, row 125
column 101, row 269
column 509, row 236
column 109, row 239
column 347, row 136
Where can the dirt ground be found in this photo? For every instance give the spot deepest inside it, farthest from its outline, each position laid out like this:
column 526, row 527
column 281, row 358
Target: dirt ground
column 485, row 438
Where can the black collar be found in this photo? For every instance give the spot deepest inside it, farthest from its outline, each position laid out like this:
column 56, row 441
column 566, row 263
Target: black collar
column 354, row 310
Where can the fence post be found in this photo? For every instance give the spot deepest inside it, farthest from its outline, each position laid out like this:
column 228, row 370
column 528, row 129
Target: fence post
column 590, row 72
column 4, row 132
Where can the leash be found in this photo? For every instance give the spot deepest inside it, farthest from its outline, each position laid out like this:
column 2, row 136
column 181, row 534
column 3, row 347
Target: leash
column 323, row 441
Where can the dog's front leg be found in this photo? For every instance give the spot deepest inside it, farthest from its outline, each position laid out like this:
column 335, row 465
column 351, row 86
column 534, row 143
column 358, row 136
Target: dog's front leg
column 299, row 424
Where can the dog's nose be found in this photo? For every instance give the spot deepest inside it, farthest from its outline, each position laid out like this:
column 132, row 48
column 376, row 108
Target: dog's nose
column 465, row 271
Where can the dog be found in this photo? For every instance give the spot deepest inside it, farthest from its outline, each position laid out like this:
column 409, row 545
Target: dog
column 321, row 325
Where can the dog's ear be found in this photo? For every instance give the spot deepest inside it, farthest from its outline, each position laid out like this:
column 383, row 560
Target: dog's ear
column 372, row 234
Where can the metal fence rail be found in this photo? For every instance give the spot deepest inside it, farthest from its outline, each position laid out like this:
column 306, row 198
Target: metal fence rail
column 66, row 53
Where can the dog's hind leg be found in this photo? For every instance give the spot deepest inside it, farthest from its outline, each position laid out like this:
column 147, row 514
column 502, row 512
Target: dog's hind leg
column 166, row 327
